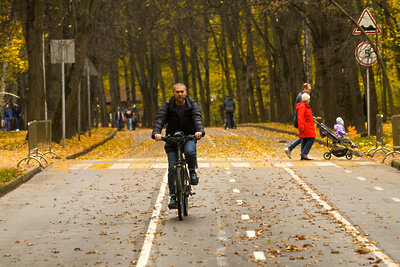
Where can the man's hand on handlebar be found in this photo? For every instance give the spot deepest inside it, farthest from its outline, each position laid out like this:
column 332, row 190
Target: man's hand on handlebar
column 198, row 135
column 157, row 137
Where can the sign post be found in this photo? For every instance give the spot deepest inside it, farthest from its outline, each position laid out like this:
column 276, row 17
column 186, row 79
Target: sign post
column 365, row 53
column 62, row 51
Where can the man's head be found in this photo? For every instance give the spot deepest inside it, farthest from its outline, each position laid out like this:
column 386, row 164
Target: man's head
column 179, row 93
column 306, row 88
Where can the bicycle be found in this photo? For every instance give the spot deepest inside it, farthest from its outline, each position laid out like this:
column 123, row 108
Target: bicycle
column 183, row 188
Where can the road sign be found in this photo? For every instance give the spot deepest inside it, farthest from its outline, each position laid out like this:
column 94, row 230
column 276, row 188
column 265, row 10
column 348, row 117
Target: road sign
column 368, row 24
column 366, row 55
column 60, row 47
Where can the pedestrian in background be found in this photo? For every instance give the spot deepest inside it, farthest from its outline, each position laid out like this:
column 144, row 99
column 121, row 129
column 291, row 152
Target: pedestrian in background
column 229, row 107
column 119, row 117
column 305, row 126
column 128, row 116
column 305, row 88
column 17, row 112
column 7, row 113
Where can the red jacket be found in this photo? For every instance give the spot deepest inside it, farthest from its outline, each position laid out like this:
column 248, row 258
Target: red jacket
column 305, row 120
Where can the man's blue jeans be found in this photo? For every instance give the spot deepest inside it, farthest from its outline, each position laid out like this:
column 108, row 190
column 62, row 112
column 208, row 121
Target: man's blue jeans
column 294, row 144
column 191, row 160
column 306, row 144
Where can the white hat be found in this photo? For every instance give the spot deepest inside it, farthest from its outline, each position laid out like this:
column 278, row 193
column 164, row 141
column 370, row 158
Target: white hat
column 305, row 97
column 339, row 120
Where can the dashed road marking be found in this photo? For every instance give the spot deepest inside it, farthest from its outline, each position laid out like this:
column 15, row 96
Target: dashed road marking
column 159, row 165
column 204, row 165
column 221, row 257
column 259, row 256
column 236, row 190
column 346, row 224
column 232, row 180
column 245, row 217
column 240, row 164
column 283, row 164
column 120, row 166
column 139, row 165
column 261, row 164
column 325, row 164
column 361, row 178
column 80, row 166
column 378, row 188
column 348, row 171
column 220, row 164
column 251, row 234
column 100, row 166
column 396, row 199
column 228, row 172
column 239, row 202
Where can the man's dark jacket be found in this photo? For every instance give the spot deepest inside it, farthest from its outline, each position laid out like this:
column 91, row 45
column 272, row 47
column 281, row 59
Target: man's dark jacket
column 192, row 120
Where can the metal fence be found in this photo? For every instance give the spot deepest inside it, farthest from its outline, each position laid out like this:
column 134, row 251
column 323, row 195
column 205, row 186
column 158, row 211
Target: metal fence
column 39, row 138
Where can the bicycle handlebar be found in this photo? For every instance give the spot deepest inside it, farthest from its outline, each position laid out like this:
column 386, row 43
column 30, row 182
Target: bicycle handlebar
column 177, row 139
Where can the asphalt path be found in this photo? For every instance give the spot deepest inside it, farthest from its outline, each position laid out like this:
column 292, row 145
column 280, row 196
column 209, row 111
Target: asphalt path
column 253, row 206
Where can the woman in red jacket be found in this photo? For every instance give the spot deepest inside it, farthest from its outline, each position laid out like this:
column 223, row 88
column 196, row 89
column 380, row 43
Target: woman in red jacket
column 306, row 126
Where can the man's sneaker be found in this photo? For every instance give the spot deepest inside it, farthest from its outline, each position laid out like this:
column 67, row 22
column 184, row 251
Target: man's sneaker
column 193, row 178
column 288, row 152
column 172, row 203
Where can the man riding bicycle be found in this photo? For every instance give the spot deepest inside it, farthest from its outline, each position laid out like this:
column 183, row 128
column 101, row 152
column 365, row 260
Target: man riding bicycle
column 183, row 114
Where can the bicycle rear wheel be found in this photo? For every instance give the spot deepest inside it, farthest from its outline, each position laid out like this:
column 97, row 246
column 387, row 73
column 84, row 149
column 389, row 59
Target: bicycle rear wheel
column 180, row 194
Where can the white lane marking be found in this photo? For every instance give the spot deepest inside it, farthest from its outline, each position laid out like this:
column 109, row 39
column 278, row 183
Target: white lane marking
column 228, row 172
column 159, row 165
column 378, row 188
column 203, row 165
column 347, row 225
column 283, row 164
column 239, row 202
column 245, row 217
column 130, row 159
column 155, row 217
column 221, row 257
column 396, row 199
column 251, row 234
column 259, row 256
column 232, row 180
column 236, row 190
column 120, row 166
column 227, row 168
column 325, row 164
column 365, row 163
column 235, row 159
column 80, row 166
column 361, row 178
column 348, row 171
column 240, row 164
column 221, row 251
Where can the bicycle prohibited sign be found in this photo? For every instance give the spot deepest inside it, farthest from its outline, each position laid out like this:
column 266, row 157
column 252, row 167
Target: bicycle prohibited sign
column 366, row 54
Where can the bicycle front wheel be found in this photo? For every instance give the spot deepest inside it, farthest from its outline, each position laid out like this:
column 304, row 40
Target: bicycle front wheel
column 180, row 194
column 186, row 189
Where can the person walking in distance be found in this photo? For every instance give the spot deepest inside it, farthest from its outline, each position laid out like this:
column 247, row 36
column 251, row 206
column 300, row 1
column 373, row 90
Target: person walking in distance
column 7, row 113
column 180, row 113
column 17, row 112
column 305, row 126
column 119, row 116
column 305, row 88
column 229, row 107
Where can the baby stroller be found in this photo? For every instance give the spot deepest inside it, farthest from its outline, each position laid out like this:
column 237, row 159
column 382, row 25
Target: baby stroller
column 338, row 149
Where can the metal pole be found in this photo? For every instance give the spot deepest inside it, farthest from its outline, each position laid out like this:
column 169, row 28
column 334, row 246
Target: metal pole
column 44, row 79
column 368, row 106
column 63, row 93
column 88, row 92
column 79, row 111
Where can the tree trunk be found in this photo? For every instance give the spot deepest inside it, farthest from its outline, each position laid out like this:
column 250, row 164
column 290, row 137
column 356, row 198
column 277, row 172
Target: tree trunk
column 172, row 57
column 182, row 51
column 31, row 14
column 127, row 89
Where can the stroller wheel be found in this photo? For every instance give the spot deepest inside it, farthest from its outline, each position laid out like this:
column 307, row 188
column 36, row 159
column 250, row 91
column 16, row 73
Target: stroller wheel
column 327, row 155
column 349, row 155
